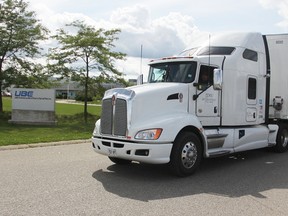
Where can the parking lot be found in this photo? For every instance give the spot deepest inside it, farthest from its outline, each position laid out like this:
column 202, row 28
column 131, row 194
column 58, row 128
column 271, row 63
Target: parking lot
column 73, row 180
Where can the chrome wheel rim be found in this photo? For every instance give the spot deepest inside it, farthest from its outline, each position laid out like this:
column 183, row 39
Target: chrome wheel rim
column 189, row 155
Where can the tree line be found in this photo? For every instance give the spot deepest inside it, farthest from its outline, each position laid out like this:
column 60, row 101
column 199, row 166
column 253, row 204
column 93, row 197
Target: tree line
column 75, row 55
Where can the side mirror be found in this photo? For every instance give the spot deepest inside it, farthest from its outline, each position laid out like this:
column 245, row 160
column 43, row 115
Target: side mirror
column 217, row 79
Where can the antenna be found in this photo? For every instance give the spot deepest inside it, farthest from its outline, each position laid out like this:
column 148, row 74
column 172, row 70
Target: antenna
column 141, row 52
column 140, row 77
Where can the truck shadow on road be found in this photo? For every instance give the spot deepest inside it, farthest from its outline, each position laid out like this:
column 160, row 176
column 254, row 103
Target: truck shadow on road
column 248, row 173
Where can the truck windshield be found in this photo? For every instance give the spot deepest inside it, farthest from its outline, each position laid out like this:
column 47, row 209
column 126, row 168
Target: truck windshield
column 181, row 72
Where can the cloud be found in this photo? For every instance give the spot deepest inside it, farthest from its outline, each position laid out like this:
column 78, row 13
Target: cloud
column 134, row 18
column 166, row 35
column 53, row 20
column 281, row 6
column 159, row 37
column 132, row 67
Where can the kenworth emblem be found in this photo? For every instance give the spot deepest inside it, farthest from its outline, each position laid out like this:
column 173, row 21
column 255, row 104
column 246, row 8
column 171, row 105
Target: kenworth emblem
column 113, row 100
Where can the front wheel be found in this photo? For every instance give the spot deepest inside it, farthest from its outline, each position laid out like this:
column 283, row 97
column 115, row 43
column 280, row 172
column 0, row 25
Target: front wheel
column 282, row 138
column 186, row 154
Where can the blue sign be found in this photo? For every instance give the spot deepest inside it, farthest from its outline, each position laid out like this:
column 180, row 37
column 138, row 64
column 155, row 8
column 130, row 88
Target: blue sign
column 24, row 93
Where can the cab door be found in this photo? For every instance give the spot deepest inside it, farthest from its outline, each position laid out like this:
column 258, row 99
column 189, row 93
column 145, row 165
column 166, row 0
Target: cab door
column 208, row 103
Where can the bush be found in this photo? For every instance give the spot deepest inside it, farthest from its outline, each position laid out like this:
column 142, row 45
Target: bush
column 81, row 97
column 5, row 116
column 59, row 96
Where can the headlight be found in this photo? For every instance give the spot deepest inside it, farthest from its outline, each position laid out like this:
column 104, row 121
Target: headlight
column 151, row 134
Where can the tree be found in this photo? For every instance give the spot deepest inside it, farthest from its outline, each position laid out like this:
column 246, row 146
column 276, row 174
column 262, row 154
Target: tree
column 20, row 33
column 96, row 85
column 87, row 50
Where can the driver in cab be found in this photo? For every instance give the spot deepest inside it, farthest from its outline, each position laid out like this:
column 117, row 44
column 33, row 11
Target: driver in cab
column 205, row 80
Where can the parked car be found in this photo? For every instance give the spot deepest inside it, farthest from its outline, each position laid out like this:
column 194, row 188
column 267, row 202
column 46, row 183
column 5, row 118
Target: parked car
column 7, row 94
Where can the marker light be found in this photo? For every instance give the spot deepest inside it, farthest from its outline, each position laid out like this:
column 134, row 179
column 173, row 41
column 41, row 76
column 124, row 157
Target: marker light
column 151, row 134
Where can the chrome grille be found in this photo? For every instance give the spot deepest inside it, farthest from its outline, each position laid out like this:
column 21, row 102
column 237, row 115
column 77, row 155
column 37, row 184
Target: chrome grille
column 114, row 118
column 107, row 116
column 120, row 118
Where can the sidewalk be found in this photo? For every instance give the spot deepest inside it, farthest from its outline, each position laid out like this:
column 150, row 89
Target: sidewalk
column 35, row 145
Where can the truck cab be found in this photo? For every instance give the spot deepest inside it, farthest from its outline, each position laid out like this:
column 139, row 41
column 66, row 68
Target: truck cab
column 208, row 101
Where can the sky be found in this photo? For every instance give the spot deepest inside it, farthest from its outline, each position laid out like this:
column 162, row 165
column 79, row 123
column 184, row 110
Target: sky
column 163, row 28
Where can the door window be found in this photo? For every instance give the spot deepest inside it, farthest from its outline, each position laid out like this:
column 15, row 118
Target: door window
column 205, row 77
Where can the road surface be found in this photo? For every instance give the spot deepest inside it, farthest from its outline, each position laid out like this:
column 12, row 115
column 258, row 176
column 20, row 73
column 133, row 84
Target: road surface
column 73, row 180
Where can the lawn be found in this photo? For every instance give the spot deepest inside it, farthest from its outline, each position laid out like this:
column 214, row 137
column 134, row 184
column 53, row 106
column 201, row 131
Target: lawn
column 70, row 125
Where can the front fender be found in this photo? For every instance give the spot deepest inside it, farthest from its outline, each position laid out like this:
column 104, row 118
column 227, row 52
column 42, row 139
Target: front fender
column 171, row 125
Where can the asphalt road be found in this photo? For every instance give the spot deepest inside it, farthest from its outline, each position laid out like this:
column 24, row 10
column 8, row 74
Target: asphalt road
column 73, row 180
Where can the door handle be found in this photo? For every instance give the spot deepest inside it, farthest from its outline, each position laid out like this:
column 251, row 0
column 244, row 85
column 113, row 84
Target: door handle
column 215, row 109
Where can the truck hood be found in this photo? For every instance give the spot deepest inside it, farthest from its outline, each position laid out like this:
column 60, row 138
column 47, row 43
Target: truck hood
column 150, row 105
column 158, row 87
column 152, row 101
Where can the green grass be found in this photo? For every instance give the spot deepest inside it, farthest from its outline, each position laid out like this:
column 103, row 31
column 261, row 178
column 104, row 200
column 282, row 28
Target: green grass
column 7, row 104
column 72, row 109
column 70, row 125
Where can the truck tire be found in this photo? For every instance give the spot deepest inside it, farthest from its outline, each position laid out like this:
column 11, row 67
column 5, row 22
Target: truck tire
column 282, row 138
column 119, row 161
column 186, row 154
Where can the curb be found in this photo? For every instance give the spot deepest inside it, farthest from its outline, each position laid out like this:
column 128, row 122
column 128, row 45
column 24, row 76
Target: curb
column 35, row 145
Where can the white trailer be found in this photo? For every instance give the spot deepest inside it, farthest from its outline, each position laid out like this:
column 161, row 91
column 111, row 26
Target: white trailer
column 278, row 52
column 225, row 96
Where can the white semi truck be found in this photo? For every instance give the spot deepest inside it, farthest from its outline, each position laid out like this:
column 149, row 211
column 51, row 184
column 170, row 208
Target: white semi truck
column 225, row 96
